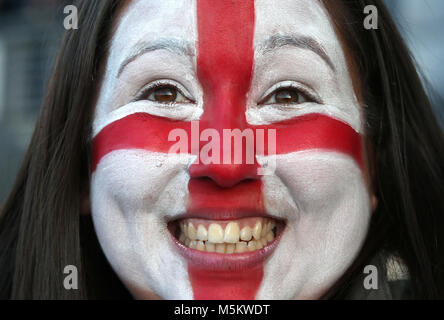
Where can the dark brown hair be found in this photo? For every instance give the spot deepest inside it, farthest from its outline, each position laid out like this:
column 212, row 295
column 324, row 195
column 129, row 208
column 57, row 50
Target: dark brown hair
column 42, row 231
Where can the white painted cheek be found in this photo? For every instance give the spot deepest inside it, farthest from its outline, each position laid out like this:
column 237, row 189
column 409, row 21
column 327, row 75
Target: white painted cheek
column 279, row 202
column 326, row 230
column 132, row 192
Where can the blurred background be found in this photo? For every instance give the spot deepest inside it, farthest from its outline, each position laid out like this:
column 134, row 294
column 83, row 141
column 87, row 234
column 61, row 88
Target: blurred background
column 30, row 31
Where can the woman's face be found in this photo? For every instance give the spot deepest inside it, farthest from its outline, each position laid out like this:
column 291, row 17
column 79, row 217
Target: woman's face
column 228, row 156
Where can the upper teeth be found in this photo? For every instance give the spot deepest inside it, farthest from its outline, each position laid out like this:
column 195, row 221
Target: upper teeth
column 227, row 237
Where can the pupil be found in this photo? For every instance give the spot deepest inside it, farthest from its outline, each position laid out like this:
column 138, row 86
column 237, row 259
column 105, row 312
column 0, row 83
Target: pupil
column 165, row 95
column 286, row 96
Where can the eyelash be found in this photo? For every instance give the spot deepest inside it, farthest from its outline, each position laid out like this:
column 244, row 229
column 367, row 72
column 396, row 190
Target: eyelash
column 307, row 94
column 146, row 92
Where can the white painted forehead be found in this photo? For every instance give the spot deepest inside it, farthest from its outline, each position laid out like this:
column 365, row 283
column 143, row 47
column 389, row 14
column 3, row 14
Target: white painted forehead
column 296, row 17
column 144, row 20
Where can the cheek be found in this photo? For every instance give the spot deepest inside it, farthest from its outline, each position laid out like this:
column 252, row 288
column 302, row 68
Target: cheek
column 331, row 216
column 321, row 181
column 138, row 181
column 127, row 187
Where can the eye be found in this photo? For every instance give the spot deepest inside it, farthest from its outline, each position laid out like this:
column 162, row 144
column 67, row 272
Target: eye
column 287, row 96
column 166, row 94
column 163, row 93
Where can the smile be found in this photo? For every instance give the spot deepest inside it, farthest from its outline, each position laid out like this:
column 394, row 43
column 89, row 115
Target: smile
column 226, row 244
column 227, row 237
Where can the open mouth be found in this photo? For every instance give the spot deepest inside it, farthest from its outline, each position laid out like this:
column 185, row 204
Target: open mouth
column 227, row 237
column 226, row 244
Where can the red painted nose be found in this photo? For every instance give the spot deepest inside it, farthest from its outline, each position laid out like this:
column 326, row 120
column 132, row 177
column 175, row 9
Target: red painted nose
column 224, row 69
column 225, row 175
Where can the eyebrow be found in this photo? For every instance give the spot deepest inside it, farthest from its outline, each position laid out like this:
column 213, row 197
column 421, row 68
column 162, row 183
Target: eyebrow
column 180, row 47
column 277, row 41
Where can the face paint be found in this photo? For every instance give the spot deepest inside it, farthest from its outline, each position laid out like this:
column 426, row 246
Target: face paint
column 318, row 188
column 155, row 212
column 225, row 65
column 133, row 191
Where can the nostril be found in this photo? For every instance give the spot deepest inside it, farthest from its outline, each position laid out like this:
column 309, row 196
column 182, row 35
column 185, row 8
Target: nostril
column 225, row 176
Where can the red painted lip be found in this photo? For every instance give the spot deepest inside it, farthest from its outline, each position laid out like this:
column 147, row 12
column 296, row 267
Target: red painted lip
column 213, row 261
column 233, row 214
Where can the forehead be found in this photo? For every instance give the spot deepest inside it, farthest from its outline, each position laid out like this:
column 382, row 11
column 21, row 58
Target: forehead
column 300, row 18
column 146, row 20
column 143, row 20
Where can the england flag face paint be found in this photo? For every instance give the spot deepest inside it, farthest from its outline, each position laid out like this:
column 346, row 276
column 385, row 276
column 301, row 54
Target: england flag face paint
column 228, row 151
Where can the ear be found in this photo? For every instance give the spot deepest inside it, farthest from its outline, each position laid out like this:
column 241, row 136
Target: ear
column 371, row 156
column 85, row 204
column 374, row 202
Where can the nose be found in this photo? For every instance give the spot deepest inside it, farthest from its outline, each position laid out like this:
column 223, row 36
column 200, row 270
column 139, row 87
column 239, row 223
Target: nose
column 225, row 94
column 226, row 113
column 225, row 175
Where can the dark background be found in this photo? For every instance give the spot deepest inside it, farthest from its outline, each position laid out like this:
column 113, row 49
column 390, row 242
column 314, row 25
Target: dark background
column 30, row 31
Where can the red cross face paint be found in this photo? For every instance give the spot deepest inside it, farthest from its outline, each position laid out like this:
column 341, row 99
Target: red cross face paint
column 286, row 218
